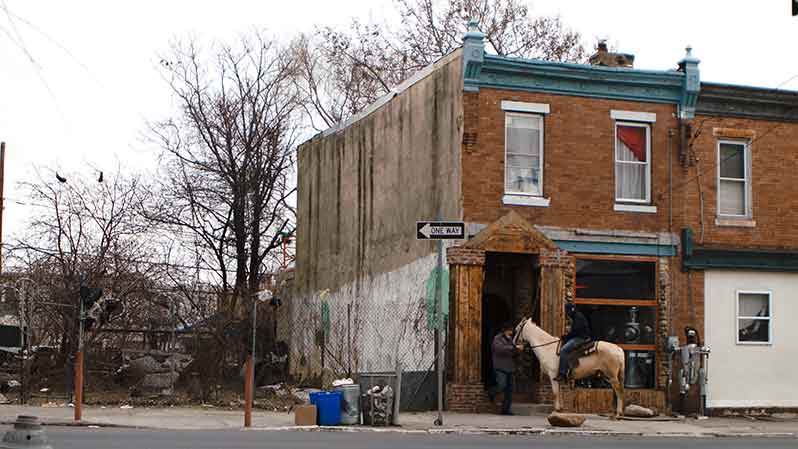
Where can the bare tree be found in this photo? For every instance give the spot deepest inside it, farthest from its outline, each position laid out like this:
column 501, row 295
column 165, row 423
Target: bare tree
column 228, row 155
column 83, row 232
column 342, row 71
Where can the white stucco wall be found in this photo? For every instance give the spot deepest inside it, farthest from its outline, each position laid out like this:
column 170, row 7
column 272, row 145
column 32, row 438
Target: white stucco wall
column 751, row 375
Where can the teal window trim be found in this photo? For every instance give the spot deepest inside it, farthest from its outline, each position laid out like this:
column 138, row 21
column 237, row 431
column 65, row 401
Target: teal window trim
column 701, row 258
column 627, row 249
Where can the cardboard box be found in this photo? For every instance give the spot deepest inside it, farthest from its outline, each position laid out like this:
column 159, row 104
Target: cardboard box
column 305, row 415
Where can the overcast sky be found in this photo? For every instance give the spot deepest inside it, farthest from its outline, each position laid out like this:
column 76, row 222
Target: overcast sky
column 86, row 82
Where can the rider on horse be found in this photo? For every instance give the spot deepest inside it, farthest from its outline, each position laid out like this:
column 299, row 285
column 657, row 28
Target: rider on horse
column 579, row 334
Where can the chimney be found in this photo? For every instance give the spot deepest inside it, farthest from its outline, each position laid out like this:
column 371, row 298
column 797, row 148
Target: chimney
column 603, row 57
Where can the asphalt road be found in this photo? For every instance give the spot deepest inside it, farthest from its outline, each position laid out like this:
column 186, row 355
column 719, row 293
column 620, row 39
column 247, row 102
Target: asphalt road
column 86, row 438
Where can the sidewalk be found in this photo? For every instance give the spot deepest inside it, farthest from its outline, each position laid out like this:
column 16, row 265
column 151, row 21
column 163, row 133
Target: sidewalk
column 210, row 418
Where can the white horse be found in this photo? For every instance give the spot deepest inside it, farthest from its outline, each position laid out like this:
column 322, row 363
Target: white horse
column 608, row 360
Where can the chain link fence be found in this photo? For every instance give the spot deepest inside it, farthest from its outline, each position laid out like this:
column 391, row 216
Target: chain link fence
column 368, row 332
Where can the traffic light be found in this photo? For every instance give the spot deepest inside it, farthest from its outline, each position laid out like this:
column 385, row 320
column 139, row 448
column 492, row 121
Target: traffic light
column 795, row 7
column 89, row 296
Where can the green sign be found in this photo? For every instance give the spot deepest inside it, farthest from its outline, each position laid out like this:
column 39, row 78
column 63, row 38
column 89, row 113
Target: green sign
column 443, row 277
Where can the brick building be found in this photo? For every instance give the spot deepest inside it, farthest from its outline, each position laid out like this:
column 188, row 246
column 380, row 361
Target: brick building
column 652, row 200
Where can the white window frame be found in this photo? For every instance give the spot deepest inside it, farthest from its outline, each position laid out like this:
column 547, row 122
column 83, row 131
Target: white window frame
column 746, row 180
column 769, row 318
column 647, row 127
column 540, row 164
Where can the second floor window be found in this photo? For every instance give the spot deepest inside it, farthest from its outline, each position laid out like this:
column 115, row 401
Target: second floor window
column 523, row 165
column 734, row 179
column 632, row 163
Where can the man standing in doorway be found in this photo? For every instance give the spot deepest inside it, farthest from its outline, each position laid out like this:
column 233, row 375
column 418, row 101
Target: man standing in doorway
column 504, row 351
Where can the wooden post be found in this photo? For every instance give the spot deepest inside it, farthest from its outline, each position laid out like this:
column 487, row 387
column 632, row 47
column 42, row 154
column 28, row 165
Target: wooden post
column 248, row 390
column 2, row 181
column 79, row 385
column 79, row 361
column 467, row 266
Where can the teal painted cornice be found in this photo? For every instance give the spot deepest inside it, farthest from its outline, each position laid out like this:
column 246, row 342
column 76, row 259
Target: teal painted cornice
column 473, row 56
column 582, row 80
column 704, row 258
column 631, row 249
column 692, row 84
column 680, row 87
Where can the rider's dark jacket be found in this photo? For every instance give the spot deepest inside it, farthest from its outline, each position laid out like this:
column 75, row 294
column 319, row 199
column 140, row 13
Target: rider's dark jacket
column 579, row 327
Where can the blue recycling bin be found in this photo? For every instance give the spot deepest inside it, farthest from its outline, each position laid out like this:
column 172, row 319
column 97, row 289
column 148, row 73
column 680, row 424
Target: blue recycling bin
column 328, row 406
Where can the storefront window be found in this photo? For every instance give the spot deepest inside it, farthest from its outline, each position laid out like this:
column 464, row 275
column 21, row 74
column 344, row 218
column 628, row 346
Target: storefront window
column 621, row 324
column 614, row 279
column 619, row 299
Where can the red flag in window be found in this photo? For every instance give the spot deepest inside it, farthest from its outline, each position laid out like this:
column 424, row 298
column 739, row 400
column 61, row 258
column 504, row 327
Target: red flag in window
column 634, row 137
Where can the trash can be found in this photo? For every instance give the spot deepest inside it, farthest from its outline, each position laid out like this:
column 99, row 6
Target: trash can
column 350, row 404
column 328, row 404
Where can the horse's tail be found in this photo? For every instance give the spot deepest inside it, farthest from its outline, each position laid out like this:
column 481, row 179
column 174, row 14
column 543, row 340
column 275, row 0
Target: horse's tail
column 621, row 379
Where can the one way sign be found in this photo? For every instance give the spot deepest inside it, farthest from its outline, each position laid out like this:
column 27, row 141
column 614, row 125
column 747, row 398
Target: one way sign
column 439, row 230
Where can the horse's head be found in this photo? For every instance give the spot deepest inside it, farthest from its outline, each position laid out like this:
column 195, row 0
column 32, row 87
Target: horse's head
column 517, row 337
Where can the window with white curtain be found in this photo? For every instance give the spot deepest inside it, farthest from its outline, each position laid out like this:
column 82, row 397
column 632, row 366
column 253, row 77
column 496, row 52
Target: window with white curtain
column 523, row 165
column 632, row 162
column 734, row 179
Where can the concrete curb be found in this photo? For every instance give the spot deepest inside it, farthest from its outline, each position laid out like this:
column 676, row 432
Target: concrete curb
column 80, row 424
column 526, row 431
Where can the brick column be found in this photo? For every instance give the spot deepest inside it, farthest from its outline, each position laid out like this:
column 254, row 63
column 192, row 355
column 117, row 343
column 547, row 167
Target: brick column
column 465, row 391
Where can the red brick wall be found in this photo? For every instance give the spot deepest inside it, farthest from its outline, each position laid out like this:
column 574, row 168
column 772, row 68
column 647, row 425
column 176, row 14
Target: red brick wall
column 774, row 151
column 468, row 398
column 579, row 174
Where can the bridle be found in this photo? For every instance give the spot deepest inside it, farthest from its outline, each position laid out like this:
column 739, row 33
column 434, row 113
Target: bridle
column 515, row 338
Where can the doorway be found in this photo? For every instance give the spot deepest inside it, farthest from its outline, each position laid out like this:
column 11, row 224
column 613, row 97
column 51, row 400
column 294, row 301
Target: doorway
column 510, row 292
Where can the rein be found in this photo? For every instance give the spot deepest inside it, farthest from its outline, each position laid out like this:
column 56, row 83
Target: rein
column 536, row 346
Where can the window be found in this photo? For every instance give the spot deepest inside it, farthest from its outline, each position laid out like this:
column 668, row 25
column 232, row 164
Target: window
column 632, row 162
column 523, row 137
column 753, row 318
column 734, row 179
column 619, row 299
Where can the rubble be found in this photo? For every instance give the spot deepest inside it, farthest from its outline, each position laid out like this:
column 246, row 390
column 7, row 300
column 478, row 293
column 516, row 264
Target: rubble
column 637, row 411
column 565, row 419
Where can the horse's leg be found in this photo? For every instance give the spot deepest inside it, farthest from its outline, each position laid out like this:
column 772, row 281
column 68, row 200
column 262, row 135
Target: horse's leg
column 617, row 388
column 555, row 389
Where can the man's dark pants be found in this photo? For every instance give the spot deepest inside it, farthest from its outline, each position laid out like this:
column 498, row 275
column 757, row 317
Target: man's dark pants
column 504, row 384
column 566, row 348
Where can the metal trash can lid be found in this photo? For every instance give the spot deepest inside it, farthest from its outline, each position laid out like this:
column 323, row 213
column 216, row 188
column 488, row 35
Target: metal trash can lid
column 27, row 433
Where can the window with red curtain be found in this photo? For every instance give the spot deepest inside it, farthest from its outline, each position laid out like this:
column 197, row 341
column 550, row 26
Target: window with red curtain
column 631, row 163
column 634, row 138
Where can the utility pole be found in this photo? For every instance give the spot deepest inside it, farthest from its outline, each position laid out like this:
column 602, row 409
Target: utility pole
column 23, row 326
column 2, row 197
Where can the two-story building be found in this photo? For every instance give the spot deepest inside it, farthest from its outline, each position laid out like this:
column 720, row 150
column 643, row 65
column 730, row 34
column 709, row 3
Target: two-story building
column 650, row 199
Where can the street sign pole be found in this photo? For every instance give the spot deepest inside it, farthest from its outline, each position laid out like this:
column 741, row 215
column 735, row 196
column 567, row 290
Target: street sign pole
column 440, row 231
column 439, row 329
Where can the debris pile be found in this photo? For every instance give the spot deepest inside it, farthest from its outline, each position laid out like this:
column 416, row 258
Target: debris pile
column 377, row 406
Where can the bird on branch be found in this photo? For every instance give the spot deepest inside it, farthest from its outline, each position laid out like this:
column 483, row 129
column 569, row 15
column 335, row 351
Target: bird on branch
column 60, row 178
column 100, row 179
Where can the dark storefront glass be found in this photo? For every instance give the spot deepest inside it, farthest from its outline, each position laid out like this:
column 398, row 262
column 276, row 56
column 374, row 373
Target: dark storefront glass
column 601, row 284
column 631, row 325
column 615, row 279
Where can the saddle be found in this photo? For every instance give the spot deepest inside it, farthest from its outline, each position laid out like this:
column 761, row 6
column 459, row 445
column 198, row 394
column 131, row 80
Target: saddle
column 583, row 350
